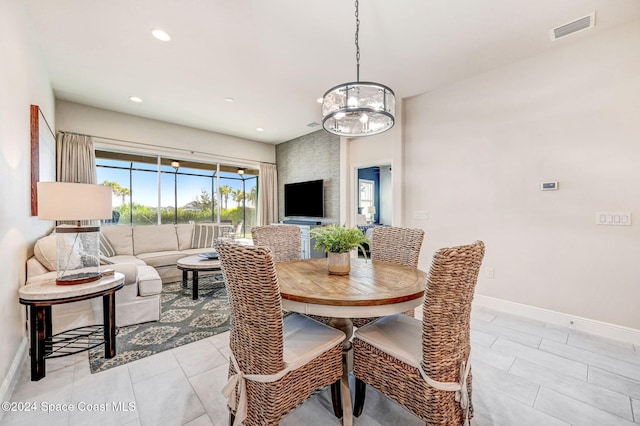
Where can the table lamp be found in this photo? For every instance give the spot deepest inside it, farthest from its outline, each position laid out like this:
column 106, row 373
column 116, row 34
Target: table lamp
column 77, row 246
column 372, row 212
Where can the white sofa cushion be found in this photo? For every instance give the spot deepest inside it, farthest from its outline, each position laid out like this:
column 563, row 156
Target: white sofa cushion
column 120, row 237
column 398, row 335
column 149, row 282
column 161, row 258
column 151, row 239
column 130, row 271
column 185, row 232
column 45, row 252
column 126, row 259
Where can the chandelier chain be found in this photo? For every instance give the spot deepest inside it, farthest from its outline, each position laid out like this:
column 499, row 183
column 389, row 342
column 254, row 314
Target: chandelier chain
column 357, row 45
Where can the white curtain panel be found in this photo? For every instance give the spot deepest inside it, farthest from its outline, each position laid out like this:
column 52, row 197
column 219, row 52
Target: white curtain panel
column 268, row 194
column 76, row 162
column 76, row 158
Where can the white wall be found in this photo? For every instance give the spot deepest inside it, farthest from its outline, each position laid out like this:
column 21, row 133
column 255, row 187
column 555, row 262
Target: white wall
column 116, row 129
column 476, row 152
column 386, row 195
column 23, row 81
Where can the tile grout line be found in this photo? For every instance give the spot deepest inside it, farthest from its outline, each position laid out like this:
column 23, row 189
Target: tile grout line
column 135, row 398
column 204, row 406
column 133, row 392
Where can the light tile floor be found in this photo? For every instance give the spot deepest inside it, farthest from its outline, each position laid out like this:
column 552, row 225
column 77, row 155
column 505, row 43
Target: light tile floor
column 525, row 373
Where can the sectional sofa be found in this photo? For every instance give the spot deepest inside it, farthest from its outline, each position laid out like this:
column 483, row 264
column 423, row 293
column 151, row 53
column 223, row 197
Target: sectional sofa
column 147, row 255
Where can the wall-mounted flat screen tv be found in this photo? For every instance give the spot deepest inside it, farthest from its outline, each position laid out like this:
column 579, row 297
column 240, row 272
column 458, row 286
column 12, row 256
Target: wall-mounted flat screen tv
column 304, row 199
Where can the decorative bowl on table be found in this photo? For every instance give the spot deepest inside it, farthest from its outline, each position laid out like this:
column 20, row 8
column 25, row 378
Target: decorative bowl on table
column 209, row 256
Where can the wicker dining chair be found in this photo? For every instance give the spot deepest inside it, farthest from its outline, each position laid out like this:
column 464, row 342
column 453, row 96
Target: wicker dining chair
column 396, row 245
column 424, row 366
column 283, row 240
column 281, row 361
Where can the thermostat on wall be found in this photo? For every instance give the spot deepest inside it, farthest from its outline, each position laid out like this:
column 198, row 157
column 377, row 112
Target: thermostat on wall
column 548, row 186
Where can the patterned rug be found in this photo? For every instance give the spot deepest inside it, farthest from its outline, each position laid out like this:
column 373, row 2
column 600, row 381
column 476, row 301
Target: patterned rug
column 182, row 321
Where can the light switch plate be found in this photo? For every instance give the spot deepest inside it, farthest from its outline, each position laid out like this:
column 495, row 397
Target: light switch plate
column 421, row 215
column 613, row 218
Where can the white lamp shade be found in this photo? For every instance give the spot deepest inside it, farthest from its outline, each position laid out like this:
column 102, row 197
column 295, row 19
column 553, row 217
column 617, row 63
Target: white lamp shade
column 73, row 201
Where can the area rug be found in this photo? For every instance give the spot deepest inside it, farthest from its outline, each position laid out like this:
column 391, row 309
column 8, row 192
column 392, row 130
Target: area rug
column 182, row 321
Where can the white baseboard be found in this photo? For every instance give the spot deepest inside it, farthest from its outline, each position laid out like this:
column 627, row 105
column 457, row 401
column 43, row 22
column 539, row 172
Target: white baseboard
column 12, row 375
column 604, row 329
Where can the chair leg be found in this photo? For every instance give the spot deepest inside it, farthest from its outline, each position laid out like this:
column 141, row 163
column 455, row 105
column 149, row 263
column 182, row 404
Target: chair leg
column 336, row 398
column 361, row 393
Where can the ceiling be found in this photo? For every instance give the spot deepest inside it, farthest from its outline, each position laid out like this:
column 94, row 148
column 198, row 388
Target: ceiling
column 276, row 57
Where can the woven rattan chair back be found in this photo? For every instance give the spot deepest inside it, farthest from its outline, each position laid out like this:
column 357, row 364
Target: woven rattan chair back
column 397, row 245
column 447, row 309
column 445, row 344
column 256, row 325
column 283, row 240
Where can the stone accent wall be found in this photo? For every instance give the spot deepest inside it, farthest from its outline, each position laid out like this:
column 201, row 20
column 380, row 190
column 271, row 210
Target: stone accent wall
column 311, row 157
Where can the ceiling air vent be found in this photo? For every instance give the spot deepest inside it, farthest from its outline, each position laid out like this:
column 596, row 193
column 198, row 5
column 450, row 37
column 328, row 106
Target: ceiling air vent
column 573, row 27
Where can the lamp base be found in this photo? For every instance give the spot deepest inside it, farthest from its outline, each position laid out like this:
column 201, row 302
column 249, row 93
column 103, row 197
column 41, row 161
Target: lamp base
column 79, row 278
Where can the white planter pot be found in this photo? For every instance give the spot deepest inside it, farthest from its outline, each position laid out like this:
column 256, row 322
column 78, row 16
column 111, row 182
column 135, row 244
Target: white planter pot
column 339, row 263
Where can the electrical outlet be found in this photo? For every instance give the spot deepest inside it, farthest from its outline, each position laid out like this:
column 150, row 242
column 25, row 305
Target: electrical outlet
column 490, row 272
column 421, row 215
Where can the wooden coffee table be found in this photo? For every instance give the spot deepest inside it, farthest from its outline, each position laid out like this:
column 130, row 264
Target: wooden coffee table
column 196, row 264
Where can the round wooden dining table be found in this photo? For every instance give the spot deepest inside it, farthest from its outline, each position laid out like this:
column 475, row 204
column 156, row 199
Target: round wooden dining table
column 372, row 289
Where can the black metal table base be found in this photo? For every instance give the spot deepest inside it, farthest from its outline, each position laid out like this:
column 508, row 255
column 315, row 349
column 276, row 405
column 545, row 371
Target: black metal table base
column 194, row 280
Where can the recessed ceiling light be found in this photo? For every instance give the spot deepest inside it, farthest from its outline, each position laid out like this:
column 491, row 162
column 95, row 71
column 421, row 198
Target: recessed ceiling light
column 161, row 35
column 135, row 99
column 230, row 100
column 319, row 100
column 259, row 129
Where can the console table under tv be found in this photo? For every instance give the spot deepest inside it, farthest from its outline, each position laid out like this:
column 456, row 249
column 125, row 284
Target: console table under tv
column 306, row 243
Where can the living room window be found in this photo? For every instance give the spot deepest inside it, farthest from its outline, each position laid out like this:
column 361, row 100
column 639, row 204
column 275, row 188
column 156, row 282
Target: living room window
column 149, row 190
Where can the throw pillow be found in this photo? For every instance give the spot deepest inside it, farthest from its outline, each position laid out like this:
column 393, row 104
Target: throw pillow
column 45, row 252
column 106, row 249
column 204, row 236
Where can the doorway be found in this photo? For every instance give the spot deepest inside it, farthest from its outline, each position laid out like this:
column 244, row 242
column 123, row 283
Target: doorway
column 374, row 195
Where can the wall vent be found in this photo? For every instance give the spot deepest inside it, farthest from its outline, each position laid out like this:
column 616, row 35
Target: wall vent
column 573, row 27
column 313, row 124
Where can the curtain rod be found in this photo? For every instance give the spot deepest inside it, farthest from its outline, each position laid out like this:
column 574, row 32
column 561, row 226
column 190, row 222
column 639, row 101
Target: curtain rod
column 179, row 150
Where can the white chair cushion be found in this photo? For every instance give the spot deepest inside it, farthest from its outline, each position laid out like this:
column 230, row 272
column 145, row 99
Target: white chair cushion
column 305, row 339
column 398, row 335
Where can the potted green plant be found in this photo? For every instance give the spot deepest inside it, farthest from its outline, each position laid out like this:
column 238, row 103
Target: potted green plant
column 337, row 241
